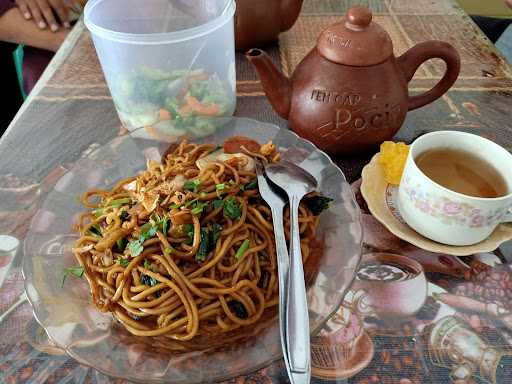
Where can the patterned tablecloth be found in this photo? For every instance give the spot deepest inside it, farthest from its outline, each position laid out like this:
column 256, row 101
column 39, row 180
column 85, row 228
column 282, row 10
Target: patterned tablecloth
column 463, row 333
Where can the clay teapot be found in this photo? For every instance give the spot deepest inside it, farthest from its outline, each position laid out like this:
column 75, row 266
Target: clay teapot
column 350, row 92
column 258, row 22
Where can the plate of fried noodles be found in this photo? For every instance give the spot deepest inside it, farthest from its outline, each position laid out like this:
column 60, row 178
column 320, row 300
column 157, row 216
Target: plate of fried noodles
column 153, row 259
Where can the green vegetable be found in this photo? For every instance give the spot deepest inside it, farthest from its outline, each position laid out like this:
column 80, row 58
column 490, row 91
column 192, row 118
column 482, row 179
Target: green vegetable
column 188, row 230
column 198, row 207
column 215, row 234
column 238, row 309
column 232, row 209
column 95, row 230
column 165, row 225
column 174, row 206
column 147, row 264
column 121, row 244
column 250, row 185
column 136, row 246
column 77, row 271
column 148, row 280
column 168, row 250
column 124, row 262
column 97, row 212
column 218, row 203
column 189, row 203
column 197, row 210
column 119, row 202
column 192, row 185
column 154, row 73
column 243, row 248
column 204, row 245
column 220, row 187
column 124, row 215
column 202, row 126
column 317, row 204
column 209, row 237
column 171, row 104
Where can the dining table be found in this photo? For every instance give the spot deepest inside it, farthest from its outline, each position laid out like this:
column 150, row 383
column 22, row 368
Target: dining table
column 462, row 333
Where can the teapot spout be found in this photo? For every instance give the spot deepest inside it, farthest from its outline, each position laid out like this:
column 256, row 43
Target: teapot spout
column 290, row 10
column 276, row 86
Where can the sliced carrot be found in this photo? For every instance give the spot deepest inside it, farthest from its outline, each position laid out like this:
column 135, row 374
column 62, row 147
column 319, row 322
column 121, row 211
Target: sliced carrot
column 194, row 105
column 164, row 114
column 208, row 110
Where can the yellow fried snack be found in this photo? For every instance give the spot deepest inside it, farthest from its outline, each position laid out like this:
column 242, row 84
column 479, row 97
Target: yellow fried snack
column 393, row 157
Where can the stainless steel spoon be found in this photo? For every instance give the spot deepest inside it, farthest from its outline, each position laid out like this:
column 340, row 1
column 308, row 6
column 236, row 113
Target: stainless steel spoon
column 296, row 182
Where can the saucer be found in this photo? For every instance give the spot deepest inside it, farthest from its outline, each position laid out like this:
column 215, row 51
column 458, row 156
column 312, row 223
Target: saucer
column 381, row 199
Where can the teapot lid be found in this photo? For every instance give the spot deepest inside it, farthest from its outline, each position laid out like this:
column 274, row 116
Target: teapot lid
column 356, row 40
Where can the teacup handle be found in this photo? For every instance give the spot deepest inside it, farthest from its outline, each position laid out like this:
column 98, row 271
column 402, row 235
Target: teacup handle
column 417, row 55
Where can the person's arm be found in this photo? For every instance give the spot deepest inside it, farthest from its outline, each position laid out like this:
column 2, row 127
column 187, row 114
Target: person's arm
column 15, row 29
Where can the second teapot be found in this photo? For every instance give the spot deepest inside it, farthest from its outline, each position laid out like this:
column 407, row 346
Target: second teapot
column 350, row 92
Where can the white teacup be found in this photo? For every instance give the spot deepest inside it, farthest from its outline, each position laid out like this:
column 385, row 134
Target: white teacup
column 446, row 216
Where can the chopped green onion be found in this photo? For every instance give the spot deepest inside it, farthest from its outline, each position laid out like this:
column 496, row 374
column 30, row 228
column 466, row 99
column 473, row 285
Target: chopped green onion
column 243, row 248
column 97, row 212
column 218, row 203
column 220, row 187
column 175, row 206
column 250, row 185
column 77, row 271
column 147, row 264
column 197, row 210
column 192, row 185
column 165, row 225
column 119, row 202
column 124, row 262
column 189, row 203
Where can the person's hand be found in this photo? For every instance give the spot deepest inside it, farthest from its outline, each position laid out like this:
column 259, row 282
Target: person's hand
column 43, row 12
column 509, row 3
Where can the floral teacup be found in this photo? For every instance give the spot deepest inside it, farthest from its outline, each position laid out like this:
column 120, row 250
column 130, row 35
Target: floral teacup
column 446, row 216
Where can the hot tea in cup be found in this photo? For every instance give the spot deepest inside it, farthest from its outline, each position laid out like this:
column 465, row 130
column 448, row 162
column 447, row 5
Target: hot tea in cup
column 456, row 187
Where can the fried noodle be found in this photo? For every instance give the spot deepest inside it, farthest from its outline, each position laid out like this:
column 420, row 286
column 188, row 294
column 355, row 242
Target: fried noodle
column 185, row 248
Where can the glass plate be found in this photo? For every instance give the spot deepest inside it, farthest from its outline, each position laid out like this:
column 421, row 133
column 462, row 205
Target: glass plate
column 97, row 340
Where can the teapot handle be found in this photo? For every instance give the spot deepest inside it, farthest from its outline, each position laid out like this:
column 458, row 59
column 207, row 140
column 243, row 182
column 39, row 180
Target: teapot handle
column 417, row 55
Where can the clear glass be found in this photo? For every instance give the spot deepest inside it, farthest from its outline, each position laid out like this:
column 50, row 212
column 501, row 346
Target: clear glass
column 97, row 340
column 168, row 63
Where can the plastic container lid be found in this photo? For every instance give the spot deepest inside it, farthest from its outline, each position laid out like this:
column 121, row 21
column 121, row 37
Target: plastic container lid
column 101, row 15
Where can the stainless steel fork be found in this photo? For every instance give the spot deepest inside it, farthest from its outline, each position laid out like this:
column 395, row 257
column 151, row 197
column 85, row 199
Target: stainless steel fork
column 276, row 204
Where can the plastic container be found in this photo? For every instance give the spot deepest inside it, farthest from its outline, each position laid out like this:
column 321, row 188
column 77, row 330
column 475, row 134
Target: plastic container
column 169, row 64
